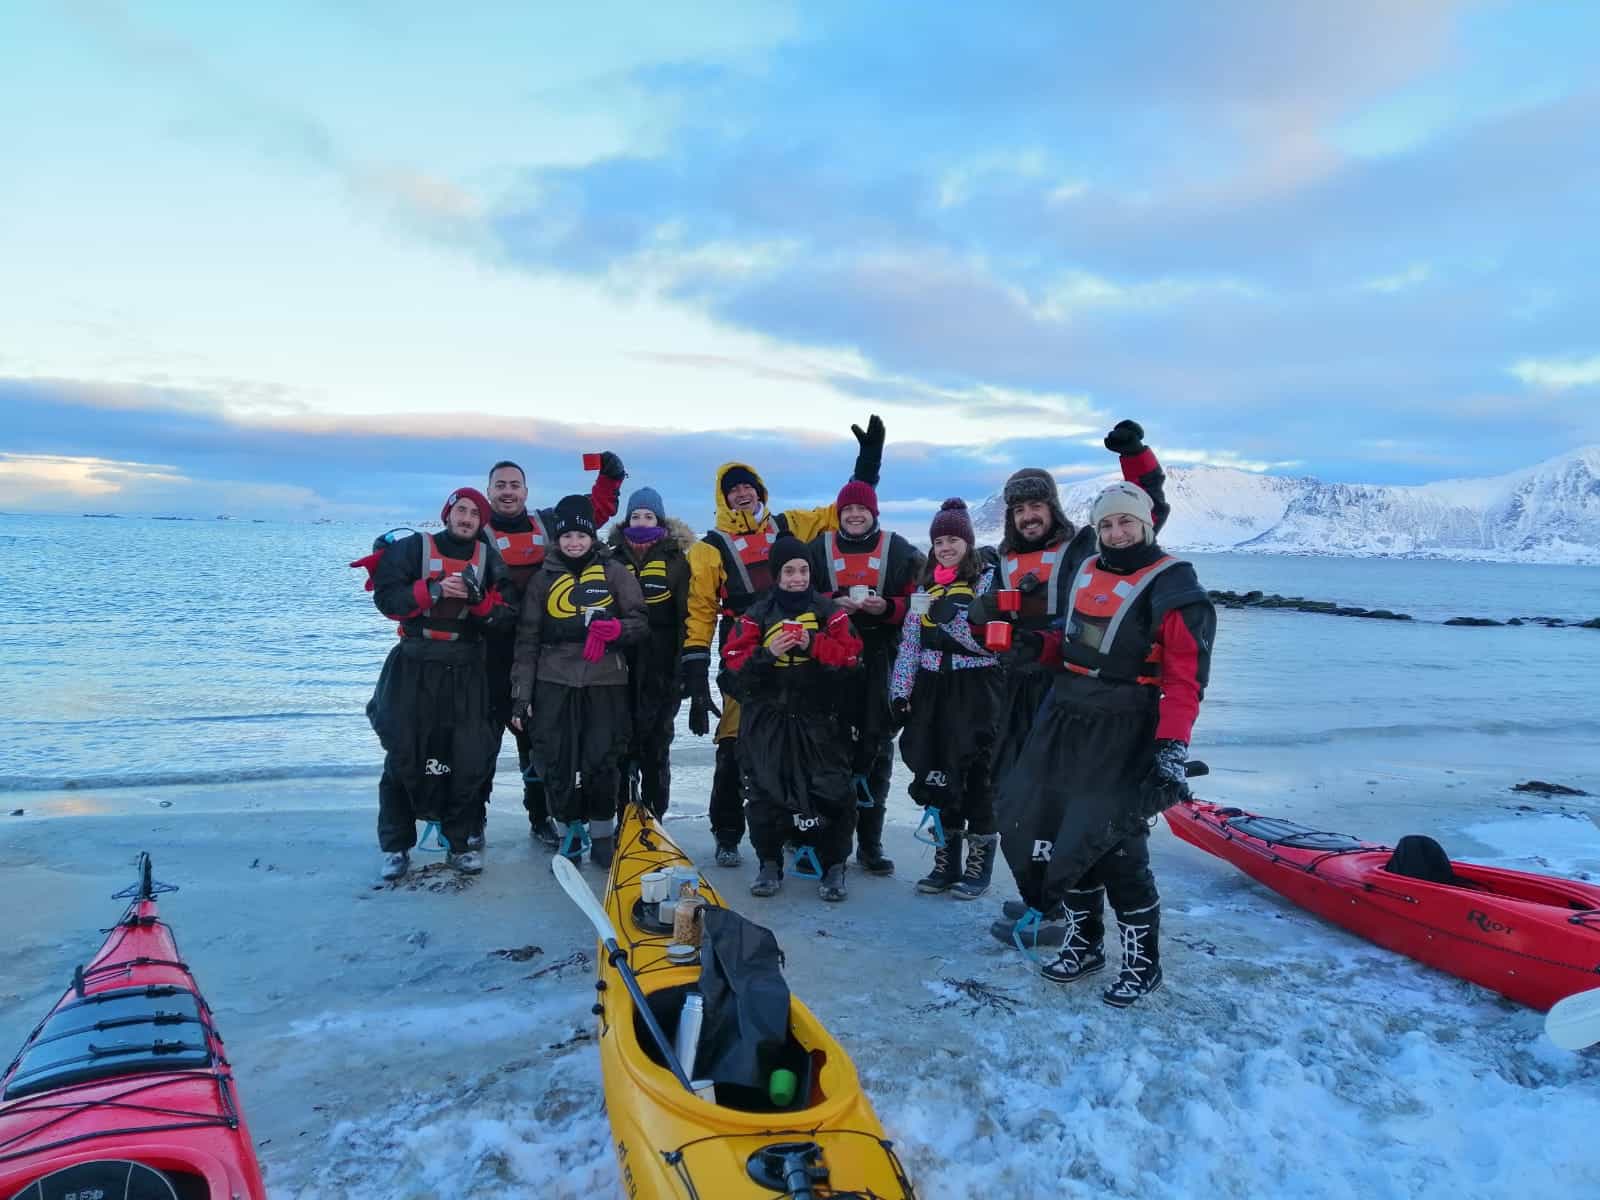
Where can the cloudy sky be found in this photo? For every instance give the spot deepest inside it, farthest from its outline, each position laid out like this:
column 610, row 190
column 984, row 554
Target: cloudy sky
column 336, row 257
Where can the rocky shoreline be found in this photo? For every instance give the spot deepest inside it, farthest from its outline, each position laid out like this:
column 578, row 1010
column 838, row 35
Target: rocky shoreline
column 1227, row 599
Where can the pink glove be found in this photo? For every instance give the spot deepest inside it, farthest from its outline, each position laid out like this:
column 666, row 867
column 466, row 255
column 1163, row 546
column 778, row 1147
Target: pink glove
column 602, row 631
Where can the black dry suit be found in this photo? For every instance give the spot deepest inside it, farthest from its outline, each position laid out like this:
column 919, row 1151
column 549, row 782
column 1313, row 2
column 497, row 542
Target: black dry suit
column 954, row 686
column 794, row 759
column 662, row 572
column 1081, row 787
column 431, row 707
column 580, row 707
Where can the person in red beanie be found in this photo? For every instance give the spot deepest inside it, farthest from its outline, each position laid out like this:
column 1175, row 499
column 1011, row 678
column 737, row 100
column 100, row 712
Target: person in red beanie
column 860, row 556
column 431, row 706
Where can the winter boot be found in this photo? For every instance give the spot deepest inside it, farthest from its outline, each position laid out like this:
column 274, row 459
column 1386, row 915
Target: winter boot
column 395, row 866
column 543, row 830
column 1141, row 957
column 768, row 880
column 1051, row 931
column 869, row 841
column 728, row 854
column 832, row 885
column 1083, row 947
column 946, row 867
column 980, row 866
column 468, row 862
column 601, row 847
column 1013, row 910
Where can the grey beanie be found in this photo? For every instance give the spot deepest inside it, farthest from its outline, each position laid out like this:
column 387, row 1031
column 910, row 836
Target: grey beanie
column 645, row 497
column 1129, row 498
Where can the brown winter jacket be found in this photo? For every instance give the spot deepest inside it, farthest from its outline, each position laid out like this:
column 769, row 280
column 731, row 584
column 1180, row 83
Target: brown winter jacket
column 538, row 659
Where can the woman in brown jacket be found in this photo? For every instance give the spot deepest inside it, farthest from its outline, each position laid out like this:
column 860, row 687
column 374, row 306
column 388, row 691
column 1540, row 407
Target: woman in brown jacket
column 569, row 678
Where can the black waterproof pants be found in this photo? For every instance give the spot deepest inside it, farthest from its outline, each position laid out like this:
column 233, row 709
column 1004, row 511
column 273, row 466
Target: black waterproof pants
column 1124, row 873
column 1026, row 690
column 579, row 738
column 499, row 655
column 771, row 827
column 948, row 744
column 727, row 795
column 879, row 768
column 430, row 711
column 795, row 770
column 650, row 756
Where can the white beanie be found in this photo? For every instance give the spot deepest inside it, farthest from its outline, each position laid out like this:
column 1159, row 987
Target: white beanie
column 1125, row 497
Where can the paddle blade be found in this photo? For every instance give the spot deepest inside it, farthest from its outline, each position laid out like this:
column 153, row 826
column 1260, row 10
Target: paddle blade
column 577, row 890
column 1575, row 1022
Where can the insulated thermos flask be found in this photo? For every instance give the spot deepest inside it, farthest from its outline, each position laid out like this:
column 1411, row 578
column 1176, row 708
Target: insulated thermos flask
column 687, row 1042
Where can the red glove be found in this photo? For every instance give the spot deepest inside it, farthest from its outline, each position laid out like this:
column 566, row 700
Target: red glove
column 602, row 631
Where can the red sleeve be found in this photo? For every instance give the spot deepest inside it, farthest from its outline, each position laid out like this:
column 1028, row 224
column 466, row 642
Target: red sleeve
column 485, row 606
column 604, row 496
column 1136, row 466
column 746, row 640
column 419, row 593
column 837, row 645
column 1180, row 677
column 1050, row 650
column 370, row 562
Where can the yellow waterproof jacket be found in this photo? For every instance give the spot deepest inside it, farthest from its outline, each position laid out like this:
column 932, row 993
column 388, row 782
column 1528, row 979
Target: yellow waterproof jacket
column 707, row 574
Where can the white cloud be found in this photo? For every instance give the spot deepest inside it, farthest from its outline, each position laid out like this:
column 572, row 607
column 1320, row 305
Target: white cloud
column 1414, row 274
column 23, row 477
column 1076, row 291
column 1558, row 374
column 1223, row 458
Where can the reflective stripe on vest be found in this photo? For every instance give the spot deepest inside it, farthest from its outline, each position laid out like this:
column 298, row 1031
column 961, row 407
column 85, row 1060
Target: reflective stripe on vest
column 847, row 568
column 739, row 554
column 436, row 566
column 1101, row 602
column 1044, row 599
column 522, row 549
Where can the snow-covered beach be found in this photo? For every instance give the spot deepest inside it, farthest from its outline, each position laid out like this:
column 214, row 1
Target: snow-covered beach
column 383, row 1045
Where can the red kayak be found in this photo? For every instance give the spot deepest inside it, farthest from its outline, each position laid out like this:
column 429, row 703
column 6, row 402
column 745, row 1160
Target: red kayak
column 1531, row 937
column 123, row 1092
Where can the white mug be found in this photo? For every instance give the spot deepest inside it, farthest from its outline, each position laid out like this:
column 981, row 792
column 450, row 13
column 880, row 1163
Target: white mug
column 653, row 887
column 920, row 602
column 859, row 593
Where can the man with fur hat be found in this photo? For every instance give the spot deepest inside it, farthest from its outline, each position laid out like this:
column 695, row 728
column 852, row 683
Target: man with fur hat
column 785, row 660
column 1108, row 750
column 862, row 555
column 430, row 707
column 653, row 547
column 728, row 570
column 523, row 536
column 569, row 678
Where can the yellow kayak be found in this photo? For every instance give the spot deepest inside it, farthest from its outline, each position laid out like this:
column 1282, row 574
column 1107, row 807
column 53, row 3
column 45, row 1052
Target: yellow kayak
column 671, row 1142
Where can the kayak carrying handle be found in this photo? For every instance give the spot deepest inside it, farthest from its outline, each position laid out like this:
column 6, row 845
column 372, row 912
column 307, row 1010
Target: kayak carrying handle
column 932, row 818
column 147, row 887
column 577, row 839
column 863, row 787
column 805, row 854
column 439, row 845
column 571, row 881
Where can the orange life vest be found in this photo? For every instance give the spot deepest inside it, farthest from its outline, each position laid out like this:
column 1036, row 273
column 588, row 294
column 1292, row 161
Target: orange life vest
column 847, row 568
column 1044, row 601
column 522, row 552
column 1101, row 638
column 444, row 621
column 745, row 574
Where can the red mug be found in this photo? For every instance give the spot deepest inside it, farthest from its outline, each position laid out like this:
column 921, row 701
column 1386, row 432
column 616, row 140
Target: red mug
column 1008, row 600
column 793, row 628
column 997, row 635
column 591, row 462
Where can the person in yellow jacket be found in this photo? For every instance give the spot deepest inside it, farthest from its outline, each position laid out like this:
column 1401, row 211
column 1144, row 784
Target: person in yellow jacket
column 727, row 572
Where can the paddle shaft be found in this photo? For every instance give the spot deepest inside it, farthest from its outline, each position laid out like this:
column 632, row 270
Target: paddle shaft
column 572, row 883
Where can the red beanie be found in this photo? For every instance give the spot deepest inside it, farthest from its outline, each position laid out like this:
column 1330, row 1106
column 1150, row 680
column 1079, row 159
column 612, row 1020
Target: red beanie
column 472, row 494
column 952, row 520
column 856, row 492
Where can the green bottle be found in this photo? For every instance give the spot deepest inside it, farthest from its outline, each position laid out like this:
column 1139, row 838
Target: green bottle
column 781, row 1088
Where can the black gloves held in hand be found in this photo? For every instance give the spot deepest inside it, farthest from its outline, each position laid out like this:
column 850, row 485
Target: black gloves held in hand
column 1168, row 775
column 1126, row 437
column 611, row 466
column 474, row 586
column 695, row 669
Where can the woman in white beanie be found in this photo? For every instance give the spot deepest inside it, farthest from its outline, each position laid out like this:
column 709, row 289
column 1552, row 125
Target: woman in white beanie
column 1108, row 750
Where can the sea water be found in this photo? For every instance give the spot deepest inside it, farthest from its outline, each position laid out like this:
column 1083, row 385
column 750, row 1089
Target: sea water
column 142, row 652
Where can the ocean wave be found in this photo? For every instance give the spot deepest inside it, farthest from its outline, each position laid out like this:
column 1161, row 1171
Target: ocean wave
column 123, row 722
column 153, row 779
column 1398, row 732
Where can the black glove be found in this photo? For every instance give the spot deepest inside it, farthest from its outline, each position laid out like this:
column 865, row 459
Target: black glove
column 611, row 466
column 1168, row 770
column 1026, row 646
column 469, row 577
column 522, row 710
column 696, row 668
column 1126, row 438
column 900, row 711
column 869, row 460
column 1029, row 583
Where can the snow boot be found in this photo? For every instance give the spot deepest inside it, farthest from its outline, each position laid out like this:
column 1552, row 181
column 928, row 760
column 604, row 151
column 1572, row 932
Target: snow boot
column 1048, row 933
column 869, row 841
column 543, row 830
column 768, row 880
column 1013, row 910
column 946, row 867
column 1083, row 946
column 601, row 847
column 980, row 866
column 468, row 862
column 728, row 854
column 832, row 886
column 395, row 866
column 1141, row 957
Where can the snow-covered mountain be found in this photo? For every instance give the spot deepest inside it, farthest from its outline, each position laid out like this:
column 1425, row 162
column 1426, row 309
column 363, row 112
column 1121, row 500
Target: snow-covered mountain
column 1546, row 513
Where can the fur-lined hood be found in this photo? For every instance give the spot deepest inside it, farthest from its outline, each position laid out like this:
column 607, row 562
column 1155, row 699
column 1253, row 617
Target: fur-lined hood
column 679, row 536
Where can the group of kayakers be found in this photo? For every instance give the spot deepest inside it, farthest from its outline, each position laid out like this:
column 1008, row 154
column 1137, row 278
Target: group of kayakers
column 1043, row 690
